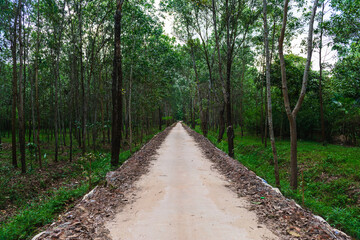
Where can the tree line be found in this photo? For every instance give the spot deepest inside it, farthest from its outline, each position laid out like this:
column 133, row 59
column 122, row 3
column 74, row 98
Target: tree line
column 245, row 75
column 58, row 72
column 85, row 73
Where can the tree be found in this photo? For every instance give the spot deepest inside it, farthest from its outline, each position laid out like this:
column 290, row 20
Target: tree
column 14, row 86
column 268, row 93
column 291, row 114
column 21, row 96
column 117, row 79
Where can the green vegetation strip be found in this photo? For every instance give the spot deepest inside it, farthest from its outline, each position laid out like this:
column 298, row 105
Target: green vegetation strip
column 331, row 176
column 45, row 209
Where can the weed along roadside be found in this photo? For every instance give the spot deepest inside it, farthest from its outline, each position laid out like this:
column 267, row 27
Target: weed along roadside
column 329, row 178
column 80, row 177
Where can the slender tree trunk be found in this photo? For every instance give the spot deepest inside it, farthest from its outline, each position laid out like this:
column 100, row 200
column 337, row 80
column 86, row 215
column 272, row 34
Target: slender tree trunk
column 108, row 117
column 102, row 106
column 292, row 114
column 71, row 138
column 262, row 112
column 14, row 90
column 227, row 93
column 56, row 111
column 241, row 99
column 268, row 95
column 83, row 97
column 221, row 124
column 320, row 77
column 21, row 98
column 193, row 123
column 130, row 120
column 160, row 119
column 266, row 120
column 32, row 110
column 117, row 89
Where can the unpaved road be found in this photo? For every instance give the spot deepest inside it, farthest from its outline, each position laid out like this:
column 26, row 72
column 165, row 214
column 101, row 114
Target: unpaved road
column 183, row 197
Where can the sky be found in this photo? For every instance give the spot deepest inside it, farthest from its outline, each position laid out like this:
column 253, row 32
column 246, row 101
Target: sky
column 328, row 55
column 168, row 20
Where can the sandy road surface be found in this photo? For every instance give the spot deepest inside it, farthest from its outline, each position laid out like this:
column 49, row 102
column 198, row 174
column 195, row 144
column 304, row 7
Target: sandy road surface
column 183, row 197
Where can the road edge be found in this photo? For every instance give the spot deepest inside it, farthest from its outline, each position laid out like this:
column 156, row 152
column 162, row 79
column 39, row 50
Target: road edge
column 86, row 220
column 283, row 216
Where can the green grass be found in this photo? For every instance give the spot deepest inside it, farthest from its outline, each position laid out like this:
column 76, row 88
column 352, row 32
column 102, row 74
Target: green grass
column 331, row 175
column 37, row 211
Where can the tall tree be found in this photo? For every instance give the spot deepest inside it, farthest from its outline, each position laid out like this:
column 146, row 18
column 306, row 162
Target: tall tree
column 291, row 114
column 14, row 85
column 37, row 52
column 117, row 78
column 268, row 93
column 21, row 95
column 322, row 121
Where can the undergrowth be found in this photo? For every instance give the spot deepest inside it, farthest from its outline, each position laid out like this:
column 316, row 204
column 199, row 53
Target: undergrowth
column 43, row 209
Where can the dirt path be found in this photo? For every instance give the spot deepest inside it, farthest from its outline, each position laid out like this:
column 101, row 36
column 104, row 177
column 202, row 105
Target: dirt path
column 183, row 197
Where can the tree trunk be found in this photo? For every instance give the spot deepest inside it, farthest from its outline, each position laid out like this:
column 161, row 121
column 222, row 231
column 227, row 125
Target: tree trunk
column 117, row 89
column 320, row 77
column 160, row 119
column 14, row 91
column 84, row 103
column 21, row 98
column 217, row 41
column 193, row 123
column 56, row 116
column 227, row 93
column 262, row 112
column 221, row 124
column 266, row 120
column 130, row 123
column 71, row 140
column 268, row 95
column 292, row 114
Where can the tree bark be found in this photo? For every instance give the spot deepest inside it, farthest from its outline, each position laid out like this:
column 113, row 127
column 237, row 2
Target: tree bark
column 21, row 98
column 322, row 122
column 268, row 95
column 160, row 119
column 221, row 119
column 117, row 89
column 130, row 124
column 14, row 90
column 292, row 114
column 84, row 104
column 221, row 123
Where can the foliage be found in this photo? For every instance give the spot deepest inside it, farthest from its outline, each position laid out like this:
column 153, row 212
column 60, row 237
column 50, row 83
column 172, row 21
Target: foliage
column 44, row 208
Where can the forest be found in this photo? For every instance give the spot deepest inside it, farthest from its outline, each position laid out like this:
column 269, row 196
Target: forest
column 84, row 84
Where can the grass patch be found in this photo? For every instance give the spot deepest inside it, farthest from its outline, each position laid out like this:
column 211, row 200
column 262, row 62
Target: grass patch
column 331, row 175
column 34, row 211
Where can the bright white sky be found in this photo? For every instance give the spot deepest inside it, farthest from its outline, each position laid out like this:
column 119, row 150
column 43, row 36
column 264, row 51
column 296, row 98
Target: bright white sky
column 168, row 21
column 328, row 55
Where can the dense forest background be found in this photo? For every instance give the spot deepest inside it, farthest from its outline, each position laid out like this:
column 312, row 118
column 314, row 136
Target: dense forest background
column 79, row 77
